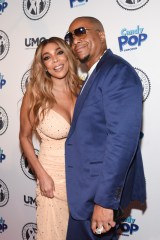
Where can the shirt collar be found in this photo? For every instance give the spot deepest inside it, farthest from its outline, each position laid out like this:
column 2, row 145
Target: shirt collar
column 94, row 65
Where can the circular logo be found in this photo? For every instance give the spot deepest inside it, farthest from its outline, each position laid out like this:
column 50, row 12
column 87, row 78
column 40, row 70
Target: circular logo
column 26, row 167
column 35, row 9
column 4, row 194
column 132, row 4
column 29, row 231
column 145, row 83
column 24, row 81
column 3, row 121
column 4, row 44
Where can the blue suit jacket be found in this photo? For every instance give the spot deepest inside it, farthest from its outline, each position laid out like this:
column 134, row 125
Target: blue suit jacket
column 103, row 158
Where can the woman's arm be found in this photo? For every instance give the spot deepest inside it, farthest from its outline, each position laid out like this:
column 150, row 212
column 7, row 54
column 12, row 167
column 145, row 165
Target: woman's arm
column 25, row 135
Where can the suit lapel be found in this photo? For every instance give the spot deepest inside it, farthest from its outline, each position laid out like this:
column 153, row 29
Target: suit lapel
column 80, row 101
column 82, row 97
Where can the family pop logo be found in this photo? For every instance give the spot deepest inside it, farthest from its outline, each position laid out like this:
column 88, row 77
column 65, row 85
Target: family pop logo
column 3, row 225
column 2, row 81
column 3, row 6
column 131, row 39
column 2, row 155
column 77, row 3
column 128, row 227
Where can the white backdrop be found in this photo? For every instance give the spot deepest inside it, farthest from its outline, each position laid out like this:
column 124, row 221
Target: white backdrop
column 132, row 31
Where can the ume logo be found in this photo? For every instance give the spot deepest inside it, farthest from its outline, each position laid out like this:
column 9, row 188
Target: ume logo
column 31, row 42
column 29, row 201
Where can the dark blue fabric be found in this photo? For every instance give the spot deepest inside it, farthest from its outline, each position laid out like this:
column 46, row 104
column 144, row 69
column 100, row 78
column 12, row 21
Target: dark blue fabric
column 103, row 157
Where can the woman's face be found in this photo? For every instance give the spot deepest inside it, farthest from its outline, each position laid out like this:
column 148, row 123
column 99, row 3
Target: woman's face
column 55, row 60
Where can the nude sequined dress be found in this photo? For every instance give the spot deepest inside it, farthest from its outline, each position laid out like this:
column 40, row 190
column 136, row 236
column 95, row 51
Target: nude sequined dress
column 52, row 214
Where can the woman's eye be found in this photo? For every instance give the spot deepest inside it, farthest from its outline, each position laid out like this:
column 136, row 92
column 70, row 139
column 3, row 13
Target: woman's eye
column 45, row 58
column 60, row 52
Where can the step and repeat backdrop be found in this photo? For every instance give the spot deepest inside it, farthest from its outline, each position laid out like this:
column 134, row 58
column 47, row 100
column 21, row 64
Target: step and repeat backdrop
column 133, row 32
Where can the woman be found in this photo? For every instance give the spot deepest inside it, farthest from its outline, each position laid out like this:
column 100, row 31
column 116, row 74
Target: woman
column 47, row 108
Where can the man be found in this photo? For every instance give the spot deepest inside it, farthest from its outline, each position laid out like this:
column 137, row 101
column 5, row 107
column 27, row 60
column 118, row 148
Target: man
column 104, row 170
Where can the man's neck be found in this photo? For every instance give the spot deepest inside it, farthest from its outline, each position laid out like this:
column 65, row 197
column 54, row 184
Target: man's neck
column 91, row 62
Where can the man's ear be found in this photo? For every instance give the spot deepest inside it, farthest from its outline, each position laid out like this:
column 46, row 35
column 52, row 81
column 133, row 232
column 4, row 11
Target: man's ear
column 102, row 36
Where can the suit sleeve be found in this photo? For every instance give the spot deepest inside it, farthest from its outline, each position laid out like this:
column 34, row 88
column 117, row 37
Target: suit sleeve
column 122, row 102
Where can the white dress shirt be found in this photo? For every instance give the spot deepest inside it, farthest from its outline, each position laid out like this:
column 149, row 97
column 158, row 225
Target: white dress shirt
column 90, row 72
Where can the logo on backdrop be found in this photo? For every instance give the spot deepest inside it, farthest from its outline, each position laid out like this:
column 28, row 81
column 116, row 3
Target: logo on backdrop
column 3, row 225
column 29, row 231
column 25, row 80
column 131, row 39
column 29, row 201
column 4, row 194
column 3, row 121
column 77, row 3
column 145, row 83
column 26, row 167
column 2, row 81
column 132, row 4
column 4, row 44
column 36, row 9
column 3, row 6
column 32, row 43
column 128, row 227
column 2, row 155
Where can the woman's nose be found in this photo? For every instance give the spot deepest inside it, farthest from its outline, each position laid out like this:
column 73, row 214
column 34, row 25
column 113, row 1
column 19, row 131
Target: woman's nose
column 55, row 60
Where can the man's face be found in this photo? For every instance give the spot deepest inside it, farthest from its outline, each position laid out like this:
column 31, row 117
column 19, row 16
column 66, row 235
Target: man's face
column 87, row 47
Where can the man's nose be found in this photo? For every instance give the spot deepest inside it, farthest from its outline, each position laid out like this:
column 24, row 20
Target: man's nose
column 76, row 39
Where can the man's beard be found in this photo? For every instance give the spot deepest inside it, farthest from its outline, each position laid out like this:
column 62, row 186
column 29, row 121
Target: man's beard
column 85, row 59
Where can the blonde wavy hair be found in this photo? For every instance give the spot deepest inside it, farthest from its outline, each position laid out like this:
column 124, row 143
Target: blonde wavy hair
column 39, row 88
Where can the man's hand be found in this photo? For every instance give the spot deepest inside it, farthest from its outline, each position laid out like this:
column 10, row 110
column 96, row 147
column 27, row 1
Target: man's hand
column 102, row 217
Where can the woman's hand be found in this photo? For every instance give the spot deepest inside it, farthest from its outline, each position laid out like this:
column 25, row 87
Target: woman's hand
column 47, row 186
